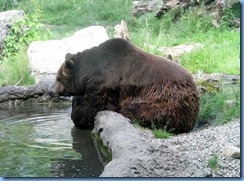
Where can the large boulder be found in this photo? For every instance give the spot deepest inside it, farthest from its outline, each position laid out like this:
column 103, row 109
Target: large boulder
column 46, row 57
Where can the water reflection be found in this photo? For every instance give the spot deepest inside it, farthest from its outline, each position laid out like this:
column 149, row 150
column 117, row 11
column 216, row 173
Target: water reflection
column 87, row 166
column 40, row 141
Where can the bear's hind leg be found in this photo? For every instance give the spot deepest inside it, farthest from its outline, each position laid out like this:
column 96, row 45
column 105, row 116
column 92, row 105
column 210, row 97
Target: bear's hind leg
column 157, row 115
column 146, row 114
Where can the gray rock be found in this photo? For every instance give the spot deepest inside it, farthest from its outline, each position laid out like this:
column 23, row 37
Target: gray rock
column 143, row 7
column 7, row 18
column 46, row 57
column 135, row 155
column 231, row 152
column 175, row 51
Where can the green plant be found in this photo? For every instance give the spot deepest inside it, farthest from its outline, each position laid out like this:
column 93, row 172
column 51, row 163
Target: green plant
column 230, row 13
column 16, row 71
column 20, row 33
column 6, row 4
column 231, row 111
column 213, row 108
column 104, row 149
column 213, row 162
column 13, row 60
column 161, row 133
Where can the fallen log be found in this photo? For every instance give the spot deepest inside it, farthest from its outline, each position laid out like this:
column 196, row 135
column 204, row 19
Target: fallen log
column 135, row 155
column 33, row 93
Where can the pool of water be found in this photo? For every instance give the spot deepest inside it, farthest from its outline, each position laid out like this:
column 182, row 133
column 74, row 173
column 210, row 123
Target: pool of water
column 41, row 141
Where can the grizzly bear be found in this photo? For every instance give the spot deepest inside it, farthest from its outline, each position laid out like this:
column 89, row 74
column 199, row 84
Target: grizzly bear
column 118, row 76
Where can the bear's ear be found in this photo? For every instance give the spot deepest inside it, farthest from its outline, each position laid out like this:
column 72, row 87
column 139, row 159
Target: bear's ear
column 69, row 61
column 68, row 67
column 68, row 56
column 69, row 64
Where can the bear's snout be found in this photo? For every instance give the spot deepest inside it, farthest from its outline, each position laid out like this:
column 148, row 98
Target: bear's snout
column 52, row 90
column 57, row 89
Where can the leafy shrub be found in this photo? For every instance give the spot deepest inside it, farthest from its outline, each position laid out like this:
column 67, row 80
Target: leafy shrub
column 20, row 33
column 13, row 59
column 230, row 13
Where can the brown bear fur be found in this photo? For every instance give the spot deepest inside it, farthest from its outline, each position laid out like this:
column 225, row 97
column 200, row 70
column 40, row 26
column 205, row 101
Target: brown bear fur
column 118, row 76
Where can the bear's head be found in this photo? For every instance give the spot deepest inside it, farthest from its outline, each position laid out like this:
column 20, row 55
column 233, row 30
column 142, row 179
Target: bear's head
column 65, row 78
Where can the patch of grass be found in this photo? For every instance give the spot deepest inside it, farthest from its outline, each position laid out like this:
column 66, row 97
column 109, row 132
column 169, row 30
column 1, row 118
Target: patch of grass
column 192, row 27
column 213, row 162
column 65, row 17
column 160, row 133
column 169, row 32
column 214, row 110
column 157, row 133
column 213, row 57
column 16, row 71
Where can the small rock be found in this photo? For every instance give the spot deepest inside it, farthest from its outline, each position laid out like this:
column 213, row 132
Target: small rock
column 230, row 103
column 231, row 152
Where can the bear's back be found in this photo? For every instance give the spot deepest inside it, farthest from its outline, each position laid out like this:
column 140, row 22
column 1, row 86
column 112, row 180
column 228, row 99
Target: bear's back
column 137, row 65
column 118, row 62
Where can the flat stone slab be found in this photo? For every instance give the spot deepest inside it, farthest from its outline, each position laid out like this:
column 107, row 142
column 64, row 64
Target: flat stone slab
column 134, row 155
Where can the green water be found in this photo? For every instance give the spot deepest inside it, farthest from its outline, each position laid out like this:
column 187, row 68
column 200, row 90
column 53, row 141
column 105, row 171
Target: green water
column 41, row 141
